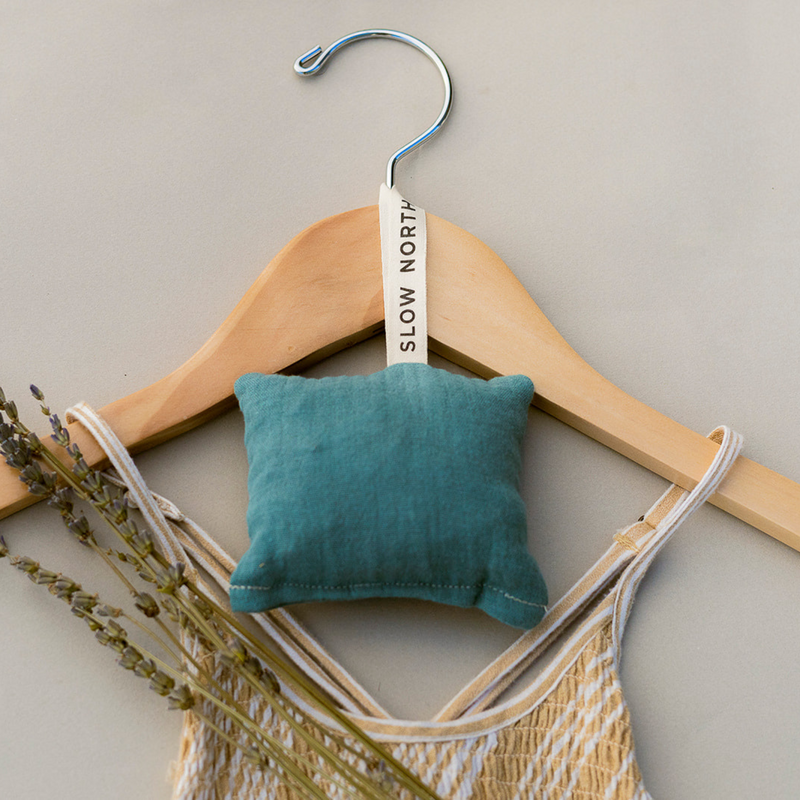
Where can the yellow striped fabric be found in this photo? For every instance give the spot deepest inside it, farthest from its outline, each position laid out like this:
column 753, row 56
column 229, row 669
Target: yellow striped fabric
column 576, row 742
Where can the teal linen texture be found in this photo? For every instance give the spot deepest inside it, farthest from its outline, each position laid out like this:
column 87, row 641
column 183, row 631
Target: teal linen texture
column 403, row 483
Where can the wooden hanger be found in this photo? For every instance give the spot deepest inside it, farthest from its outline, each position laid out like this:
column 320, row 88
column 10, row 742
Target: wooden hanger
column 323, row 292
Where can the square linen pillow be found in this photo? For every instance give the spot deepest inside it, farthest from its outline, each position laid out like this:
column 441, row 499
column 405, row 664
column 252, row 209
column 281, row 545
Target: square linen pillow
column 403, row 483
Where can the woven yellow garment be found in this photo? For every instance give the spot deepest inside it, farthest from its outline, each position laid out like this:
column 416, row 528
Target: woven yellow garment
column 576, row 743
column 566, row 735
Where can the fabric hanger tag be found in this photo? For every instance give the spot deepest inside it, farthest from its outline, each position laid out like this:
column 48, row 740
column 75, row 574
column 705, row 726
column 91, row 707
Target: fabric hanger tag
column 403, row 252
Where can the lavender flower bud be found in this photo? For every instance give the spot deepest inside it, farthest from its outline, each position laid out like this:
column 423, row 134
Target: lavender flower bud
column 105, row 610
column 83, row 601
column 80, row 527
column 103, row 498
column 166, row 585
column 147, row 605
column 37, row 393
column 128, row 529
column 81, row 469
column 115, row 630
column 117, row 645
column 176, row 573
column 171, row 579
column 94, row 625
column 161, row 683
column 60, row 433
column 27, row 565
column 103, row 637
column 182, row 698
column 143, row 544
column 130, row 658
column 10, row 407
column 13, row 461
column 32, row 474
column 171, row 607
column 3, row 548
column 9, row 444
column 145, row 668
column 44, row 576
column 118, row 511
column 61, row 437
column 64, row 587
column 35, row 443
column 92, row 482
column 62, row 499
column 17, row 454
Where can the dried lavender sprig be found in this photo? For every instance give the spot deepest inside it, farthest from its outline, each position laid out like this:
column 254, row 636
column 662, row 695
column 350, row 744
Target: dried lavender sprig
column 84, row 604
column 169, row 580
column 141, row 543
column 20, row 455
column 94, row 488
column 142, row 663
column 93, row 482
column 33, row 475
column 136, row 659
column 81, row 602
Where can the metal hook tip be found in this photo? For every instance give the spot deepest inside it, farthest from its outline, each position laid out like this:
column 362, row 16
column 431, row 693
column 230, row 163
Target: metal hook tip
column 299, row 65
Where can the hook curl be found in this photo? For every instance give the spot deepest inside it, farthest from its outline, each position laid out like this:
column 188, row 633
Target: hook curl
column 318, row 58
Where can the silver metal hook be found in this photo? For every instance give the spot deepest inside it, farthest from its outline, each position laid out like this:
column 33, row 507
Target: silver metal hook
column 319, row 63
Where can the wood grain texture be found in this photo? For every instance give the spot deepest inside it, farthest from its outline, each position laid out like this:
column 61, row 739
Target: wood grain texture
column 323, row 292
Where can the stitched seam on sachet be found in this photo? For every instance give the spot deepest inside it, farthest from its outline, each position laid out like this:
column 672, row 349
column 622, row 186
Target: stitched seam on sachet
column 380, row 583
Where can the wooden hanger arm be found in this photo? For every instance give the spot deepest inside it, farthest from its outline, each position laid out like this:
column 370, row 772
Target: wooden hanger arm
column 323, row 292
column 481, row 318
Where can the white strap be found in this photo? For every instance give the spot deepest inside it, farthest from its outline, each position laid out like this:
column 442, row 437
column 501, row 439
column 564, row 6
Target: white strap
column 653, row 528
column 126, row 469
column 403, row 256
column 730, row 445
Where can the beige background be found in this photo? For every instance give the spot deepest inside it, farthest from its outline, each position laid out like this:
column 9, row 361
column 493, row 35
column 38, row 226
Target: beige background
column 636, row 165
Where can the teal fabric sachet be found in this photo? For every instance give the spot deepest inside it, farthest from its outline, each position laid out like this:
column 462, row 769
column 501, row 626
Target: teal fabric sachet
column 403, row 483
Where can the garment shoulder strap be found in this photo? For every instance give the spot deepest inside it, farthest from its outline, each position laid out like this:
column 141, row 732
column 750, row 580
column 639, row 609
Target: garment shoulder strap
column 181, row 538
column 730, row 445
column 625, row 561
